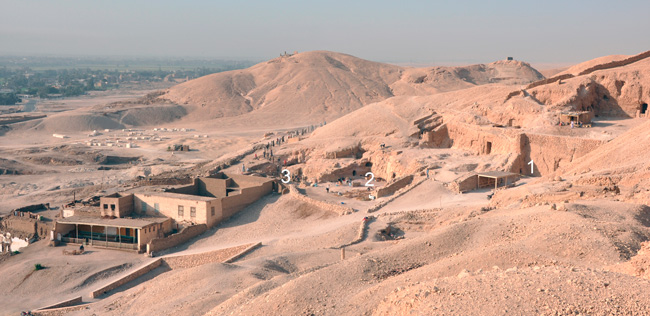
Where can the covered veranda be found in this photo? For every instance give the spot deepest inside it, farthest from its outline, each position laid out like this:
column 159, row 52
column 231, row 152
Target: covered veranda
column 119, row 233
column 496, row 179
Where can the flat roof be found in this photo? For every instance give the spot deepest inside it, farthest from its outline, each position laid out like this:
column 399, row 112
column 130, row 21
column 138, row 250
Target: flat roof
column 574, row 113
column 180, row 196
column 140, row 222
column 496, row 174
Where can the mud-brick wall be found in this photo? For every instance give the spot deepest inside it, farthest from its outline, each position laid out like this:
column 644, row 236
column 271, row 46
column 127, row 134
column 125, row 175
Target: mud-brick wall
column 235, row 203
column 187, row 233
column 187, row 189
column 168, row 206
column 549, row 152
column 212, row 187
column 393, row 186
column 464, row 183
column 24, row 227
column 123, row 205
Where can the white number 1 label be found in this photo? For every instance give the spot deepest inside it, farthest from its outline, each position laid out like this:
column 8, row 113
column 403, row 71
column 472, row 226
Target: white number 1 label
column 532, row 167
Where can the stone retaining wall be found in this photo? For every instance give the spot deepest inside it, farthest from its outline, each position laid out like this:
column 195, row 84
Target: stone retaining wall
column 127, row 278
column 362, row 233
column 392, row 198
column 242, row 253
column 61, row 311
column 187, row 233
column 222, row 255
column 75, row 301
column 336, row 208
column 395, row 185
column 464, row 183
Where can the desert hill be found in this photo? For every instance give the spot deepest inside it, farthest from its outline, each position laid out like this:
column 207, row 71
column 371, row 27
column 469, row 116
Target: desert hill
column 616, row 91
column 323, row 85
column 301, row 89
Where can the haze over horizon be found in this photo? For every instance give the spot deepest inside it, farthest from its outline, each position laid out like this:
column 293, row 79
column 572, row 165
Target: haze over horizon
column 417, row 32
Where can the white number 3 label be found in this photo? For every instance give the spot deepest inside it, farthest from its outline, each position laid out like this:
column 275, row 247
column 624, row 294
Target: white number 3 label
column 286, row 174
column 372, row 177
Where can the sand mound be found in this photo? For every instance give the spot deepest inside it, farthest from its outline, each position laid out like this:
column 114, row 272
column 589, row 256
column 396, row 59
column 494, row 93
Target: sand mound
column 77, row 122
column 151, row 116
column 391, row 117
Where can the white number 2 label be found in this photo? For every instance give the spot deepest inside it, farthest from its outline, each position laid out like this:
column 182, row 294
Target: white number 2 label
column 372, row 177
column 287, row 174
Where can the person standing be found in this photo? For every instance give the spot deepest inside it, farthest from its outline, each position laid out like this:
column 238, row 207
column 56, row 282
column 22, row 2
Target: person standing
column 427, row 173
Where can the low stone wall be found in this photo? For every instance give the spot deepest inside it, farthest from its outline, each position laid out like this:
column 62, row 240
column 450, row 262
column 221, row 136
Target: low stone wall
column 242, row 253
column 392, row 198
column 127, row 278
column 33, row 208
column 165, row 181
column 549, row 80
column 464, row 183
column 221, row 255
column 25, row 227
column 618, row 63
column 362, row 233
column 395, row 185
column 187, row 233
column 339, row 209
column 66, row 303
column 61, row 310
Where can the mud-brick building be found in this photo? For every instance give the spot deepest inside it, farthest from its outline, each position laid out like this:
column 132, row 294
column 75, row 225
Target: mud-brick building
column 139, row 221
column 207, row 200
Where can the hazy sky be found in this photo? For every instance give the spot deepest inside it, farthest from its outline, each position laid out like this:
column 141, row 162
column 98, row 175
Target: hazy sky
column 390, row 31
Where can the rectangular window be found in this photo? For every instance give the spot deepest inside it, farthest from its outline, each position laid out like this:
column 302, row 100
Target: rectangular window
column 212, row 211
column 144, row 206
column 192, row 211
column 156, row 207
column 105, row 206
column 112, row 207
column 181, row 210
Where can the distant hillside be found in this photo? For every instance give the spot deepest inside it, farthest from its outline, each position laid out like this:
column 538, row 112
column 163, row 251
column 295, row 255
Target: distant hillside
column 323, row 85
